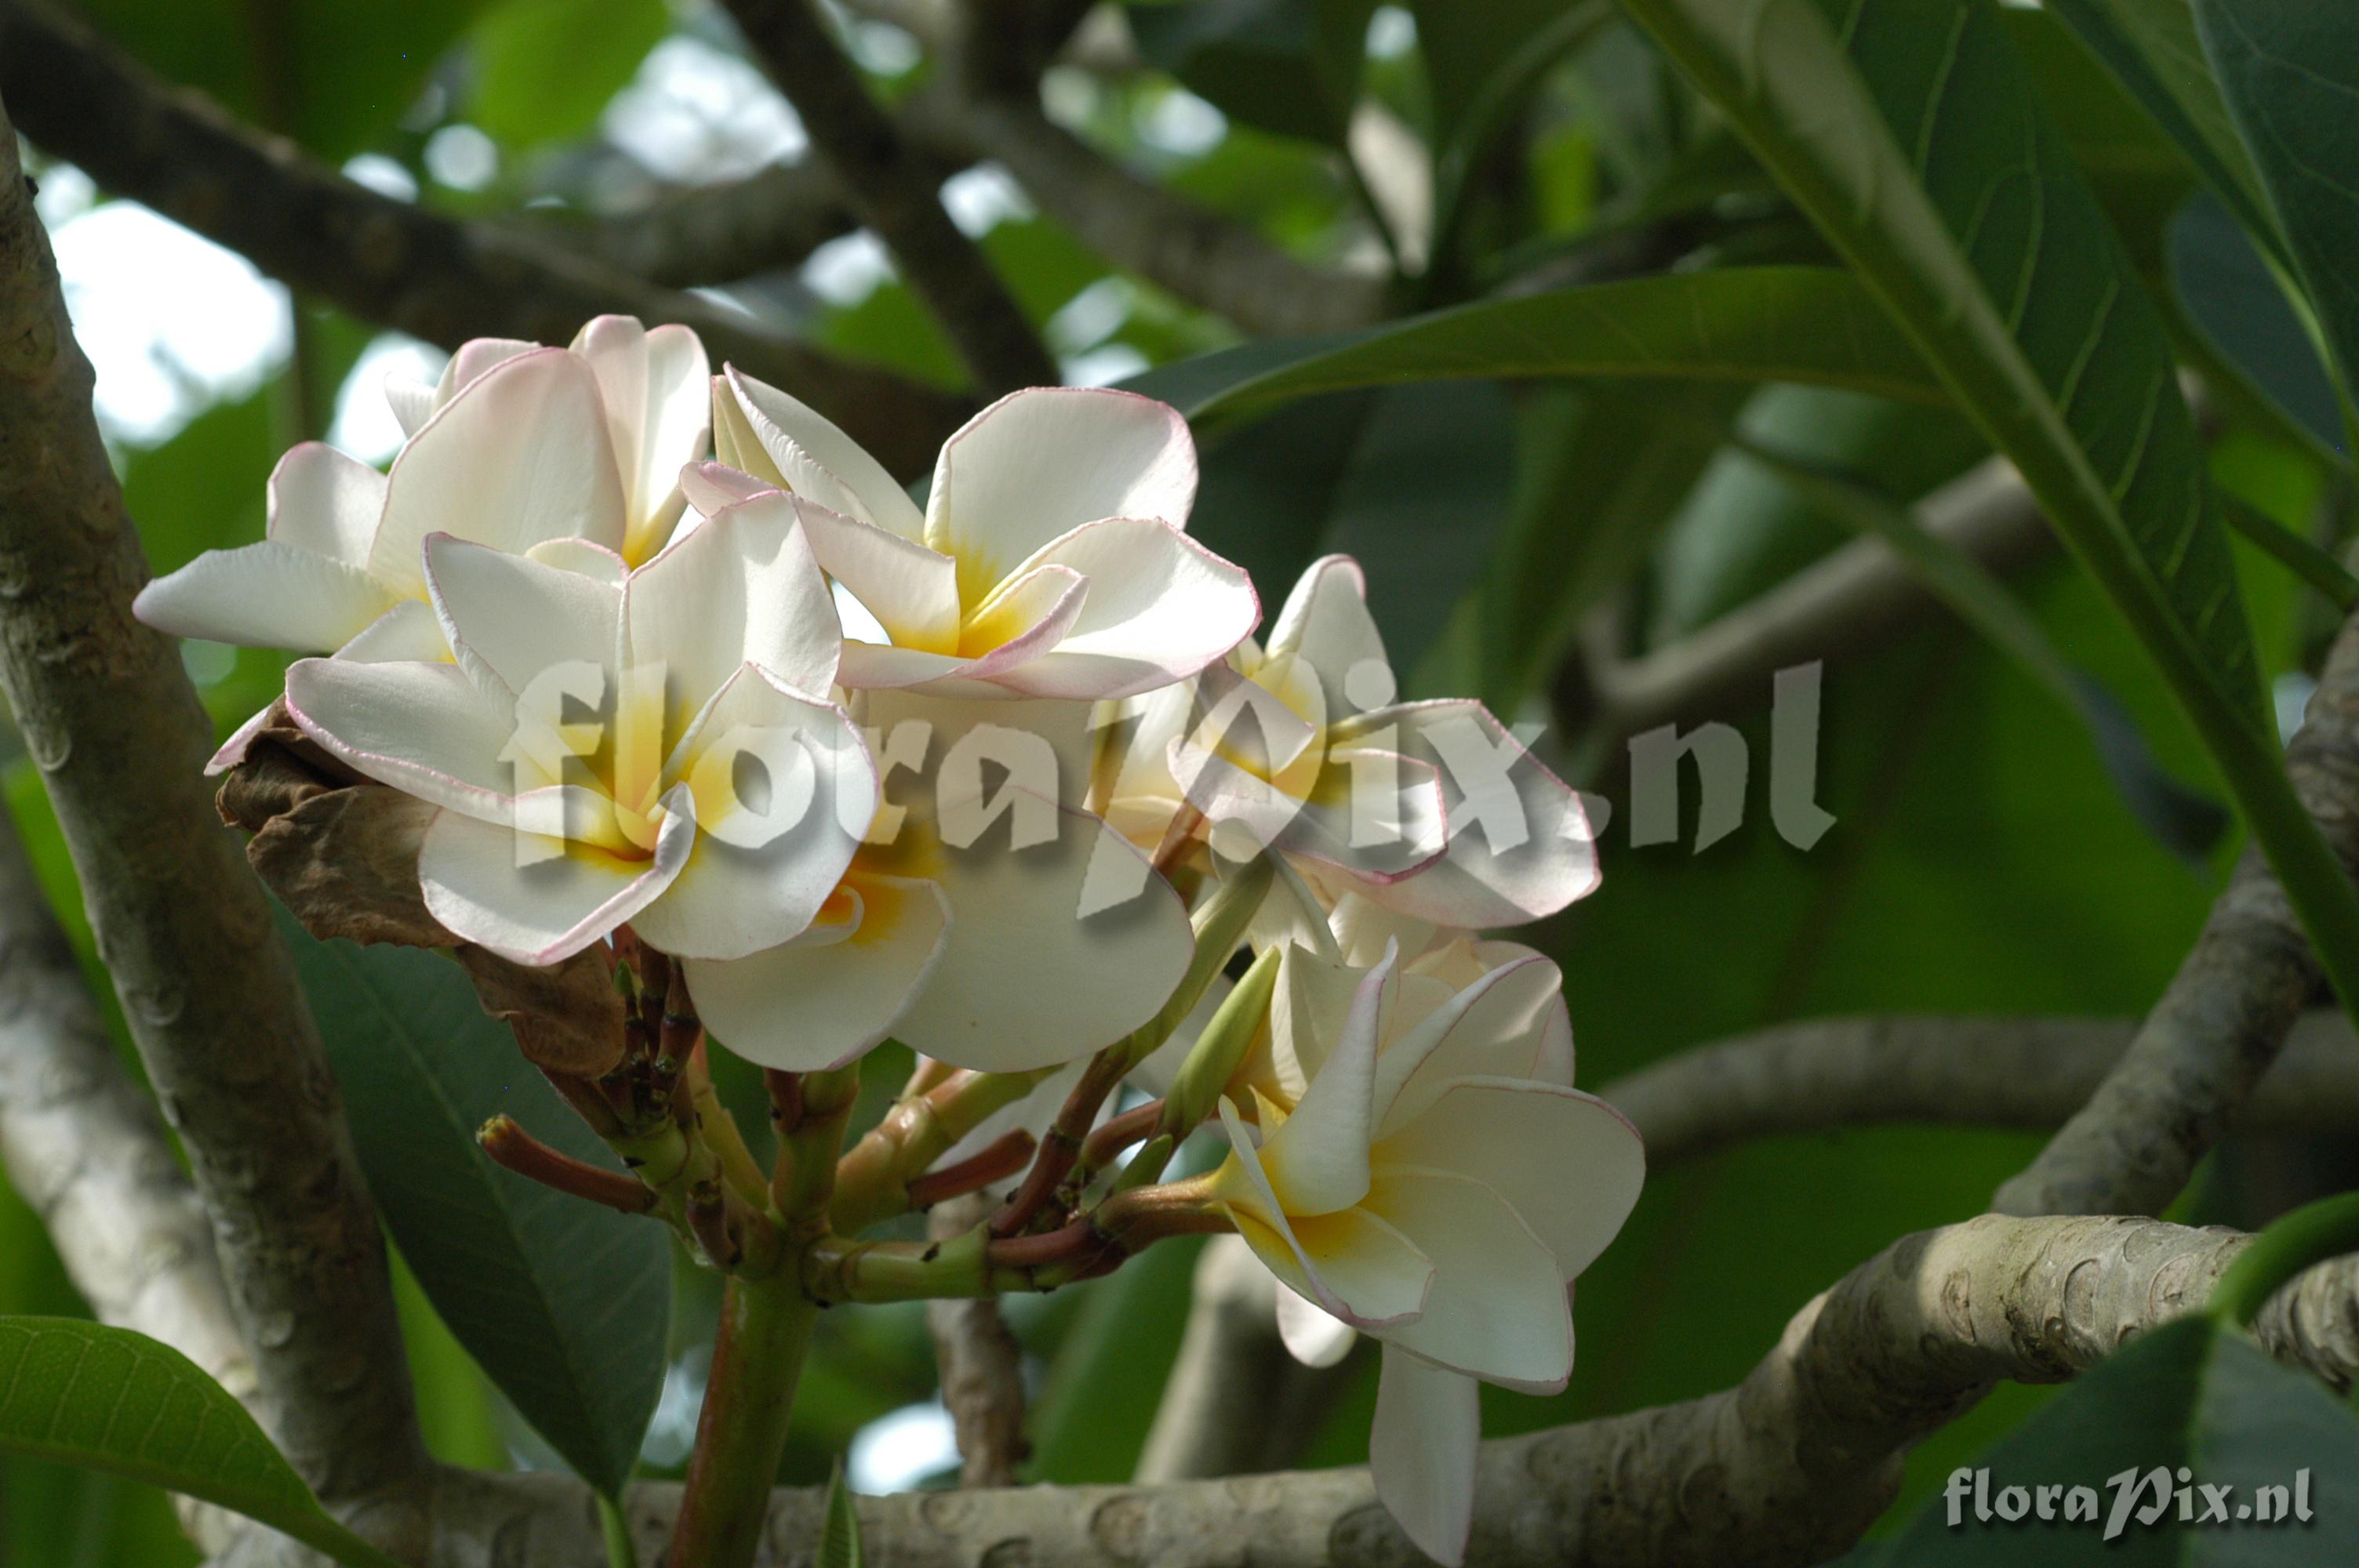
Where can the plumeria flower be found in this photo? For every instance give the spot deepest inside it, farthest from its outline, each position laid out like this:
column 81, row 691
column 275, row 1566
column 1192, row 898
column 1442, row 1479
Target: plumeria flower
column 517, row 447
column 1421, row 1168
column 554, row 829
column 967, row 942
column 1429, row 809
column 1051, row 559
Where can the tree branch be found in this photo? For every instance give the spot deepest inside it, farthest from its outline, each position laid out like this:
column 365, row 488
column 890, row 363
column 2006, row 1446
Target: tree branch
column 2033, row 1073
column 2228, row 1010
column 898, row 193
column 982, row 1364
column 770, row 220
column 387, row 261
column 111, row 721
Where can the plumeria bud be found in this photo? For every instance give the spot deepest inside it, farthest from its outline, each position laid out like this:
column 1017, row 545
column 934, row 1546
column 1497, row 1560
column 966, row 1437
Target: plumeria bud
column 1204, row 1077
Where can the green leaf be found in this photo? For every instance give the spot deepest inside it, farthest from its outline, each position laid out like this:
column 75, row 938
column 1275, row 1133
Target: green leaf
column 1811, row 325
column 839, row 1538
column 2230, row 295
column 2191, row 1395
column 2151, row 48
column 2289, row 69
column 110, row 1399
column 1291, row 66
column 520, row 100
column 1907, row 130
column 563, row 1302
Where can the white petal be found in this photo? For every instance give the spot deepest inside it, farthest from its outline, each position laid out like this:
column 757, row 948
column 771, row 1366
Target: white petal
column 1494, row 1028
column 808, row 455
column 1160, row 608
column 410, row 629
column 1565, row 1161
column 1422, row 1451
column 1045, row 460
column 521, row 455
column 518, row 618
column 1312, row 1334
column 909, row 588
column 1551, row 854
column 819, row 1001
column 264, row 595
column 1040, row 617
column 709, row 486
column 568, row 897
column 412, row 402
column 1318, row 1162
column 1026, row 981
column 420, row 728
column 1374, row 819
column 1497, row 1307
column 476, row 356
column 1361, row 930
column 743, row 589
column 1357, row 1267
column 657, row 389
column 326, row 502
column 233, row 751
column 582, row 558
column 764, row 867
column 1325, row 625
column 1312, row 1009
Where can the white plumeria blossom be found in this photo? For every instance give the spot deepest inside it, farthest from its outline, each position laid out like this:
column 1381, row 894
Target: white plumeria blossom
column 519, row 447
column 1421, row 1168
column 1051, row 559
column 554, row 831
column 959, row 937
column 1430, row 809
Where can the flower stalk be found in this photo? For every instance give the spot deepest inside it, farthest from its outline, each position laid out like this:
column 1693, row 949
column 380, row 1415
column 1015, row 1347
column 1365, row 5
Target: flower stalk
column 757, row 1358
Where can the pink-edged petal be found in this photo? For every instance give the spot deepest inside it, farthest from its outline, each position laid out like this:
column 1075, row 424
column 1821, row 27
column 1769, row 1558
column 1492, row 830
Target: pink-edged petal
column 911, row 592
column 410, row 629
column 1422, row 1453
column 828, row 996
column 1028, row 981
column 519, row 456
column 516, row 619
column 1491, row 1028
column 765, row 863
column 709, row 486
column 1318, row 1162
column 1326, row 626
column 1003, row 672
column 233, row 751
column 1160, row 608
column 774, row 437
column 326, row 502
column 1355, row 1266
column 1041, row 463
column 475, row 357
column 1312, row 1334
column 423, row 729
column 1374, row 819
column 742, row 589
column 1497, row 1307
column 536, row 899
column 1520, row 843
column 656, row 388
column 264, row 595
column 582, row 558
column 1569, row 1163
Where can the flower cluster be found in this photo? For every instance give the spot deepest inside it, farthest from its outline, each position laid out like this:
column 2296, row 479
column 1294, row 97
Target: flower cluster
column 654, row 648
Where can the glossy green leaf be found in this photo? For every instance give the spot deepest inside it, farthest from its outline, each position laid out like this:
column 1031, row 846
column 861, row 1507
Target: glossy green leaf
column 1906, row 128
column 1291, row 66
column 87, row 1394
column 2229, row 295
column 563, row 1302
column 839, row 1537
column 521, row 98
column 2289, row 69
column 2189, row 1396
column 337, row 75
column 1811, row 325
column 2151, row 48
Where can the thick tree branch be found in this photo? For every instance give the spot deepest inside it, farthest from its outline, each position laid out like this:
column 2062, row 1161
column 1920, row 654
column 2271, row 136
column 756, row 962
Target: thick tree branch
column 387, row 261
column 1785, row 1468
column 2033, row 1073
column 2228, row 1010
column 898, row 192
column 113, row 724
column 770, row 220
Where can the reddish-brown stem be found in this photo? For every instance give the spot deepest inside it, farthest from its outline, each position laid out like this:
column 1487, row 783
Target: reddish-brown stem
column 785, row 1098
column 1063, row 1145
column 1001, row 1158
column 512, row 1148
column 1119, row 1132
column 588, row 1102
column 1079, row 1242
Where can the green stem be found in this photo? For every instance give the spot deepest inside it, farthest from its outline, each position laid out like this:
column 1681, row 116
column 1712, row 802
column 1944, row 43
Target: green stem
column 621, row 1551
column 757, row 1358
column 2311, row 1234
